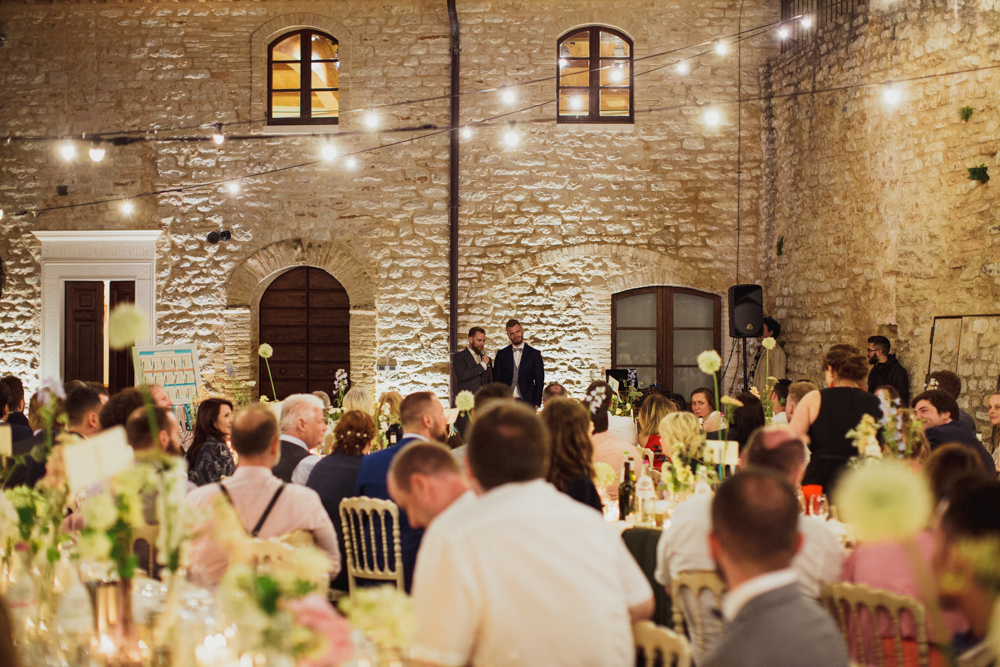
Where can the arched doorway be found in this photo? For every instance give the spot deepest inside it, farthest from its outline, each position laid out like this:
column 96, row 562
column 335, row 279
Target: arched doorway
column 305, row 316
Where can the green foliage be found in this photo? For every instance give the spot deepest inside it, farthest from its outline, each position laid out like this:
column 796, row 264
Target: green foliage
column 966, row 113
column 267, row 592
column 979, row 173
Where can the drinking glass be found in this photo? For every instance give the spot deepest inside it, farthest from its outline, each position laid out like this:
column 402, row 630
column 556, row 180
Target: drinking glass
column 820, row 506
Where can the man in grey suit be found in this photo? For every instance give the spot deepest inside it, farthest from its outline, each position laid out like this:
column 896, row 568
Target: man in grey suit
column 769, row 622
column 471, row 369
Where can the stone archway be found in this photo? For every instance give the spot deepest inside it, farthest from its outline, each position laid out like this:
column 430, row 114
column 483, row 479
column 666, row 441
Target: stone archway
column 253, row 275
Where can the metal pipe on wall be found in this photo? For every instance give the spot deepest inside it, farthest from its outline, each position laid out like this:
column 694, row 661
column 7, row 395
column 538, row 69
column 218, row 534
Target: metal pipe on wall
column 453, row 188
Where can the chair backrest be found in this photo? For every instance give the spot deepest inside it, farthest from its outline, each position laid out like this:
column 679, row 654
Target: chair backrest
column 695, row 581
column 648, row 455
column 366, row 523
column 660, row 646
column 145, row 535
column 845, row 603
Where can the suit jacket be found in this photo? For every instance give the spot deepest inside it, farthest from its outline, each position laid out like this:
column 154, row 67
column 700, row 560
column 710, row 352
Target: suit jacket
column 955, row 431
column 372, row 483
column 18, row 418
column 469, row 375
column 530, row 376
column 780, row 628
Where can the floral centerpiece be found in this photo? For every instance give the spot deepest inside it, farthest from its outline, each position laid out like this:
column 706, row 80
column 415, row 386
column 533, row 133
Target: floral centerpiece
column 265, row 352
column 384, row 614
column 240, row 390
column 623, row 403
column 895, row 434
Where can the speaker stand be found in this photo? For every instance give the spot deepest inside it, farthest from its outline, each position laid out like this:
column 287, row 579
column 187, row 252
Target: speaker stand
column 746, row 369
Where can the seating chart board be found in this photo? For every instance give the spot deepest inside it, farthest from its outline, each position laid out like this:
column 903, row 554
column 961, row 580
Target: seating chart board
column 173, row 367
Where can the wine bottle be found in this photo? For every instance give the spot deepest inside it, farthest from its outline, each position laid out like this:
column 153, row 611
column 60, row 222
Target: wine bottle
column 626, row 491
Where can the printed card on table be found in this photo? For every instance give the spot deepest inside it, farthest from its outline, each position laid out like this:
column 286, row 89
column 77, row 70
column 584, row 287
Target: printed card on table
column 97, row 459
column 452, row 415
column 613, row 381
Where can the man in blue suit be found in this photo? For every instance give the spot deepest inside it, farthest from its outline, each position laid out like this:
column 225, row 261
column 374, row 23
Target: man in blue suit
column 520, row 367
column 422, row 418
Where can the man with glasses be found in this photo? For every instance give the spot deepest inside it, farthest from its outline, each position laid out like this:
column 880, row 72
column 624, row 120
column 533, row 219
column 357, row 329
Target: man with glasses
column 886, row 369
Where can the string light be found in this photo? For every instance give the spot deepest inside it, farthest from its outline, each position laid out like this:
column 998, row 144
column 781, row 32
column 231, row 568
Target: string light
column 783, row 32
column 508, row 96
column 127, row 207
column 576, row 102
column 96, row 153
column 563, row 62
column 233, row 187
column 713, row 118
column 683, row 67
column 807, row 22
column 218, row 137
column 511, row 138
column 67, row 151
column 617, row 73
column 371, row 120
column 329, row 152
column 466, row 132
column 351, row 163
column 892, row 96
column 720, row 47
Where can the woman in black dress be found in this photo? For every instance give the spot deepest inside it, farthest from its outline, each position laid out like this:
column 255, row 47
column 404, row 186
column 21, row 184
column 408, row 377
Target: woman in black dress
column 824, row 417
column 209, row 458
column 571, row 464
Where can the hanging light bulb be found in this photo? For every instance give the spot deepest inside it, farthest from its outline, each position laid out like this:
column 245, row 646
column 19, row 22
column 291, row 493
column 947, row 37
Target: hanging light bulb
column 508, row 96
column 783, row 32
column 683, row 67
column 563, row 62
column 233, row 187
column 511, row 138
column 351, row 162
column 576, row 103
column 617, row 73
column 721, row 47
column 466, row 132
column 329, row 152
column 218, row 137
column 371, row 120
column 127, row 207
column 96, row 153
column 892, row 96
column 1, row 214
column 713, row 118
column 67, row 150
column 807, row 21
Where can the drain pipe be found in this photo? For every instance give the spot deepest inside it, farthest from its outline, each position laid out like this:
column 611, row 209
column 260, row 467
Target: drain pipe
column 453, row 190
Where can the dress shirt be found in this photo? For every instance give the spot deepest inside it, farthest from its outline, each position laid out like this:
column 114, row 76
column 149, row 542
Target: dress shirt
column 683, row 546
column 780, row 418
column 517, row 351
column 251, row 489
column 610, row 449
column 478, row 358
column 525, row 575
column 623, row 428
column 751, row 588
column 305, row 467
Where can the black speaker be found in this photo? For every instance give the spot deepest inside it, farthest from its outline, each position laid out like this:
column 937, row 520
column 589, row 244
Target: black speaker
column 746, row 311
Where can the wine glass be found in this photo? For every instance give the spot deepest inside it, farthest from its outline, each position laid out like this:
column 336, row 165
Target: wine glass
column 802, row 502
column 820, row 506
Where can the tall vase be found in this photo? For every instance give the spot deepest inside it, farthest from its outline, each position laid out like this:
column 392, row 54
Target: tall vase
column 115, row 634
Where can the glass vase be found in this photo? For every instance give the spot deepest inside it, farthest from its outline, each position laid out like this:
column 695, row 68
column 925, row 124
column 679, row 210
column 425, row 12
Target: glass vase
column 116, row 635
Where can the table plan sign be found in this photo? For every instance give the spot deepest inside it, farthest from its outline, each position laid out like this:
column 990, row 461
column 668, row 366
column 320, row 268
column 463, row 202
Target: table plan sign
column 173, row 367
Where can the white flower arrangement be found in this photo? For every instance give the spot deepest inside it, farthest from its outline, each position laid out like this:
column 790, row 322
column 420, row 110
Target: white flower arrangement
column 886, row 500
column 604, row 475
column 768, row 343
column 265, row 351
column 465, row 401
column 384, row 613
column 126, row 325
column 709, row 362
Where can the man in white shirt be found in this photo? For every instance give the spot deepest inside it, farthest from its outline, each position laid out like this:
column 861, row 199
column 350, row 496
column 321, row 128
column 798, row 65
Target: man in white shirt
column 266, row 506
column 425, row 481
column 524, row 574
column 778, row 398
column 302, row 429
column 683, row 546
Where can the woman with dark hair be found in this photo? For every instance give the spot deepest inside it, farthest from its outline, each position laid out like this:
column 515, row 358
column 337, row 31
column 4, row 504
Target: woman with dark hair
column 608, row 448
column 335, row 476
column 824, row 417
column 571, row 461
column 703, row 406
column 209, row 458
column 746, row 419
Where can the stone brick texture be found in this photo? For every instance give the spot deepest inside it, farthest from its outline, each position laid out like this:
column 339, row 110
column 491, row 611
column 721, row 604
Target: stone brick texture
column 883, row 230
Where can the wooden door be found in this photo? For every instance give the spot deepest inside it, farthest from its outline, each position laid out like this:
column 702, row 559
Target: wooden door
column 121, row 371
column 305, row 315
column 83, row 351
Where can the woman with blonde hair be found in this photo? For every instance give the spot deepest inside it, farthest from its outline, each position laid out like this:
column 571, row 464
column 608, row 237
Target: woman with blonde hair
column 358, row 398
column 571, row 459
column 388, row 410
column 651, row 413
column 681, row 430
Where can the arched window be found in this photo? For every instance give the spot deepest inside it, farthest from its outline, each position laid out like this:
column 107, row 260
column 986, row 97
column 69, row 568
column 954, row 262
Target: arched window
column 660, row 331
column 298, row 94
column 595, row 76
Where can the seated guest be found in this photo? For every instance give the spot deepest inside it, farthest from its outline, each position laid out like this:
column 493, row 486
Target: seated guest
column 120, row 407
column 937, row 411
column 796, row 391
column 18, row 431
column 15, row 400
column 888, row 393
column 83, row 407
column 683, row 545
column 266, row 506
column 524, row 573
column 140, row 436
column 608, row 448
column 651, row 413
column 302, row 430
column 488, row 393
column 389, row 403
column 679, row 401
column 425, row 482
column 993, row 411
column 208, row 458
column 703, row 406
column 947, row 466
column 680, row 429
column 160, row 396
column 968, row 583
column 553, row 390
column 747, row 418
column 769, row 621
column 358, row 398
column 336, row 475
column 422, row 417
column 951, row 384
column 571, row 464
column 779, row 398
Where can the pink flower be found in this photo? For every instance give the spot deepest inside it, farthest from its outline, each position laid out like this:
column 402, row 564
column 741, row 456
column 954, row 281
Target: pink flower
column 317, row 614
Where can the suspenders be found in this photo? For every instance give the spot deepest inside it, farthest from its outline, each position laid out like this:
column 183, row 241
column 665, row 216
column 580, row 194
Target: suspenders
column 267, row 511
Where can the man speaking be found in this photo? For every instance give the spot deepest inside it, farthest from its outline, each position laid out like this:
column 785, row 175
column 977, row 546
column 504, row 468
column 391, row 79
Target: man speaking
column 472, row 367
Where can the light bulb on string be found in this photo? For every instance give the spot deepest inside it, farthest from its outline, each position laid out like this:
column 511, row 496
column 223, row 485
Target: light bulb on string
column 67, row 150
column 508, row 96
column 351, row 163
column 466, row 132
column 713, row 118
column 370, row 120
column 511, row 138
column 127, row 207
column 329, row 152
column 616, row 74
column 218, row 137
column 807, row 21
column 96, row 153
column 683, row 67
column 563, row 62
column 233, row 187
column 892, row 96
column 576, row 103
column 783, row 32
column 721, row 47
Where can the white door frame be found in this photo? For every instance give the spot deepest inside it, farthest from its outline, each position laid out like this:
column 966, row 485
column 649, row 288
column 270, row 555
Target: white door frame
column 92, row 255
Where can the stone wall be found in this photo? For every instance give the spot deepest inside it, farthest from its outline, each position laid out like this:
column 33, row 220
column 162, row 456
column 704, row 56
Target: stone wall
column 549, row 230
column 883, row 230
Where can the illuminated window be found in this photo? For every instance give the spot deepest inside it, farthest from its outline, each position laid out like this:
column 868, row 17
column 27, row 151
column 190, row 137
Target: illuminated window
column 595, row 77
column 299, row 95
